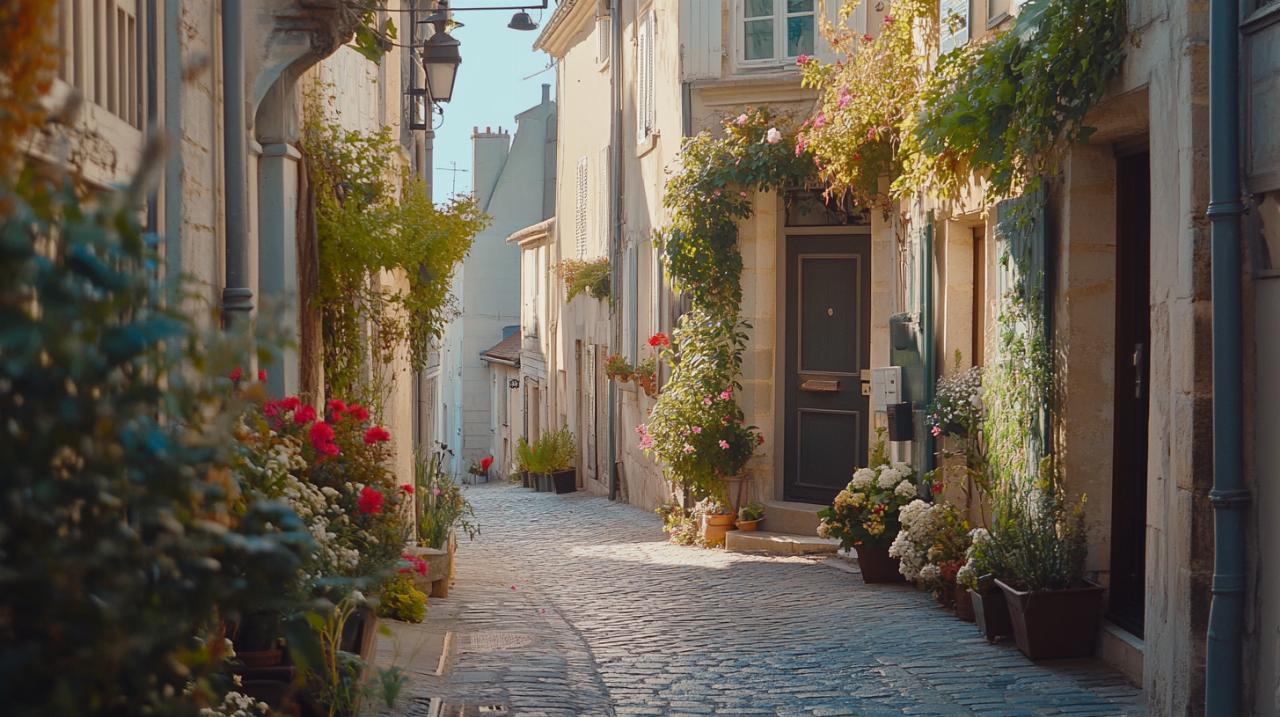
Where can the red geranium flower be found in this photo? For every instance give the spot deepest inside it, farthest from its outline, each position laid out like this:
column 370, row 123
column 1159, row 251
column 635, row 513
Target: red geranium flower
column 358, row 412
column 659, row 339
column 406, row 488
column 377, row 434
column 262, row 375
column 305, row 415
column 236, row 374
column 290, row 403
column 271, row 409
column 370, row 500
column 486, row 462
column 322, row 438
column 335, row 408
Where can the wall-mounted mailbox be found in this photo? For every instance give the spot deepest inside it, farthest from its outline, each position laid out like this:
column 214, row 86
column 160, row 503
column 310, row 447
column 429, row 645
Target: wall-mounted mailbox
column 886, row 387
column 901, row 422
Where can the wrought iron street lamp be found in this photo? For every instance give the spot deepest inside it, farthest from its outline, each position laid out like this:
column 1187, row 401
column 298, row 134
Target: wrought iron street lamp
column 441, row 53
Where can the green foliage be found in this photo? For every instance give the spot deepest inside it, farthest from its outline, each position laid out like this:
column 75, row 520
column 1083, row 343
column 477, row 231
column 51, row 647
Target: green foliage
column 378, row 228
column 400, row 600
column 440, row 504
column 124, row 534
column 868, row 98
column 710, row 193
column 751, row 511
column 524, row 456
column 617, row 366
column 1017, row 391
column 373, row 39
column 1005, row 108
column 707, row 196
column 590, row 276
column 680, row 525
column 1038, row 539
column 562, row 452
column 697, row 428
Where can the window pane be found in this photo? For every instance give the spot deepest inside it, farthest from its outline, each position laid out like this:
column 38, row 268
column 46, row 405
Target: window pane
column 799, row 5
column 799, row 35
column 759, row 8
column 758, row 41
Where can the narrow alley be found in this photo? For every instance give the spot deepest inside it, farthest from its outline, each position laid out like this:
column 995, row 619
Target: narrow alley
column 572, row 605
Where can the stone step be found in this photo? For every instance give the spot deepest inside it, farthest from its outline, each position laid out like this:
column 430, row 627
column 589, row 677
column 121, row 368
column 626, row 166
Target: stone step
column 784, row 516
column 778, row 543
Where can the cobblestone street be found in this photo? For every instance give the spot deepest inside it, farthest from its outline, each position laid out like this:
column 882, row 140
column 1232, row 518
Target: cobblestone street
column 572, row 605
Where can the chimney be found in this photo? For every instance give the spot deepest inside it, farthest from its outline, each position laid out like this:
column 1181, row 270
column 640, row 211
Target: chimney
column 546, row 93
column 489, row 155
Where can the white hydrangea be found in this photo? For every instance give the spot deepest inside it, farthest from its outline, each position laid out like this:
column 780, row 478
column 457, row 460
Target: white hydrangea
column 237, row 704
column 888, row 478
column 930, row 572
column 862, row 479
column 906, row 489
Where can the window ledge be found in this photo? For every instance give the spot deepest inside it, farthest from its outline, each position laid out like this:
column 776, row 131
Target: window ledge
column 646, row 145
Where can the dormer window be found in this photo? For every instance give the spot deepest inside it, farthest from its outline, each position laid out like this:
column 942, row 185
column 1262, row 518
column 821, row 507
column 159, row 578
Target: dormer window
column 774, row 31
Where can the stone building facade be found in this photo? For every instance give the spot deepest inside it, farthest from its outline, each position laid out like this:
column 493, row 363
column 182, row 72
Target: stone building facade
column 1125, row 240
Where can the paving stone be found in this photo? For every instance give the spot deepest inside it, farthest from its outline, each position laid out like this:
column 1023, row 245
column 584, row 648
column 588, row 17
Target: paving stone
column 623, row 623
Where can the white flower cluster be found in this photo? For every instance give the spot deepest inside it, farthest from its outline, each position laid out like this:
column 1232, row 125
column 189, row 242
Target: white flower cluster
column 919, row 524
column 968, row 573
column 862, row 479
column 318, row 507
column 237, row 704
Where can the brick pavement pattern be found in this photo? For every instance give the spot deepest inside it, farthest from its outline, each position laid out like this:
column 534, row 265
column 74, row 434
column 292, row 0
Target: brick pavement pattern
column 572, row 605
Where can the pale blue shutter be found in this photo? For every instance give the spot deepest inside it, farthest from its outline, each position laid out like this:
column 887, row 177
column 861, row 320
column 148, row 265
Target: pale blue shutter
column 701, row 44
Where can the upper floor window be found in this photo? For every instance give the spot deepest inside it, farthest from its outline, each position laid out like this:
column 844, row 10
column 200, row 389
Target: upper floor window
column 777, row 30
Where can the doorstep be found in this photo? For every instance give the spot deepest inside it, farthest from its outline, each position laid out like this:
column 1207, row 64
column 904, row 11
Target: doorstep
column 1122, row 650
column 788, row 516
column 778, row 543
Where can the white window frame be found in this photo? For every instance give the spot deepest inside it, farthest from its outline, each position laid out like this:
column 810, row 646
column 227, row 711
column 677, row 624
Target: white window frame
column 780, row 15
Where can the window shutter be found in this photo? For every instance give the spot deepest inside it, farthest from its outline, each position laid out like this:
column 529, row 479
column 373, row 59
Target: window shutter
column 953, row 24
column 603, row 189
column 580, row 207
column 644, row 77
column 700, row 40
column 649, row 119
column 604, row 38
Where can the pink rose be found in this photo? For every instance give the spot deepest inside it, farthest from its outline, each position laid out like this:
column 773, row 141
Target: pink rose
column 724, row 444
column 697, row 430
column 742, row 119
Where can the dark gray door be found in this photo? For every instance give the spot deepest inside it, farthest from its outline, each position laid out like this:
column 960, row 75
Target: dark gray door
column 828, row 344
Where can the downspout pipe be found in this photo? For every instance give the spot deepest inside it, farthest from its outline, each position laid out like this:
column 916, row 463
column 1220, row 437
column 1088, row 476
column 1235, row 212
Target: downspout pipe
column 927, row 330
column 615, row 229
column 237, row 297
column 1223, row 669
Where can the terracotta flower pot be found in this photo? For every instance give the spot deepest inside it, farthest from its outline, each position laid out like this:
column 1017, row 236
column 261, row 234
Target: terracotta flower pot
column 963, row 603
column 749, row 526
column 991, row 612
column 876, row 565
column 714, row 527
column 1051, row 624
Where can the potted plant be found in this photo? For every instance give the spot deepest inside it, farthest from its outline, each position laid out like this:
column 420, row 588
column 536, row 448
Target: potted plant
column 440, row 509
column 716, row 518
column 750, row 516
column 617, row 367
column 976, row 576
column 480, row 468
column 864, row 516
column 561, row 453
column 524, row 457
column 1039, row 536
column 931, row 547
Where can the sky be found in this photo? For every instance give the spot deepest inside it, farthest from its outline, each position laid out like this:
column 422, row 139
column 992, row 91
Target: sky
column 500, row 77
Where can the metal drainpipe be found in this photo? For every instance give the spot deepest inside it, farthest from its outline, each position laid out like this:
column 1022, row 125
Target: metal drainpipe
column 615, row 237
column 926, row 328
column 1223, row 669
column 237, row 297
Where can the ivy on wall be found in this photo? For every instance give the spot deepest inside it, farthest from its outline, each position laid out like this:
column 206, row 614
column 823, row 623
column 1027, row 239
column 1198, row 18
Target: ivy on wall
column 375, row 225
column 707, row 196
column 1008, row 107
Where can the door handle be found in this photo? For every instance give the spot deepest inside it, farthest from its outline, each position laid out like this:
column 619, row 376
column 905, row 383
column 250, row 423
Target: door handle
column 820, row 385
column 1139, row 358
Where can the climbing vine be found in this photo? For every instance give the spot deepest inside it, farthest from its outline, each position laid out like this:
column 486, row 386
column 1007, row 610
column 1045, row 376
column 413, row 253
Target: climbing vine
column 387, row 253
column 867, row 98
column 1006, row 108
column 707, row 196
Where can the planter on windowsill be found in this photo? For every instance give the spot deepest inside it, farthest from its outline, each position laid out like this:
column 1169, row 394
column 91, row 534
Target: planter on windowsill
column 565, row 481
column 1052, row 624
column 876, row 566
